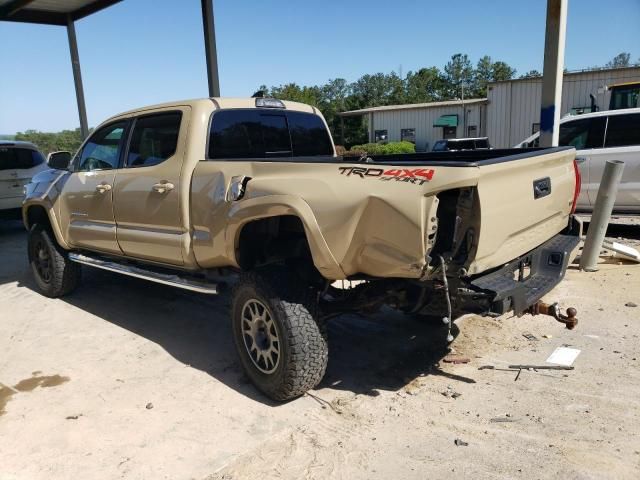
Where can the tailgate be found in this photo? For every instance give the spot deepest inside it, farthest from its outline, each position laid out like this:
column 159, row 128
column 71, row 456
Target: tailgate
column 524, row 201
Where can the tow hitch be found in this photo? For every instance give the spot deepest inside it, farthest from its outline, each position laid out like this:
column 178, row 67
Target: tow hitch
column 553, row 310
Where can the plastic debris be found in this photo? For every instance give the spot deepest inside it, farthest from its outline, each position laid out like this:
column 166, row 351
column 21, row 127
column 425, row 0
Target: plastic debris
column 563, row 356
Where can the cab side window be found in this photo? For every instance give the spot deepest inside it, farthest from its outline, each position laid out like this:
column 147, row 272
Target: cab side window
column 154, row 139
column 102, row 150
column 583, row 133
column 623, row 130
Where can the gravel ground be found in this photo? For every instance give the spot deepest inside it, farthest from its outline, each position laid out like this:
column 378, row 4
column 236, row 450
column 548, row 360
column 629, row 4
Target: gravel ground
column 126, row 379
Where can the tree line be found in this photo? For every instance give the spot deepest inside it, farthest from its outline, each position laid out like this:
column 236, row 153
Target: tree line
column 459, row 77
column 47, row 142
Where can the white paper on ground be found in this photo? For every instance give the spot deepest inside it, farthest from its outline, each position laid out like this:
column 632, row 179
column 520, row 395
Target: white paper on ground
column 563, row 356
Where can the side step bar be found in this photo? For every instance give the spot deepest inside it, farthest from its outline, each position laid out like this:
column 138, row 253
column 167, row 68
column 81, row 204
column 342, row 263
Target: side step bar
column 137, row 272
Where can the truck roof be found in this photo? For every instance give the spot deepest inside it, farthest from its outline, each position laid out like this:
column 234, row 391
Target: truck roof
column 602, row 113
column 220, row 103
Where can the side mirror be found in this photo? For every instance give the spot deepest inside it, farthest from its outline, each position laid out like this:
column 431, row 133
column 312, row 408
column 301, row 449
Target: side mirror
column 59, row 160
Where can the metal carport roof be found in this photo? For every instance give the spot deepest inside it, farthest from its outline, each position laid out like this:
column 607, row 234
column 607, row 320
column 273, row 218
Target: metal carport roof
column 50, row 12
column 66, row 12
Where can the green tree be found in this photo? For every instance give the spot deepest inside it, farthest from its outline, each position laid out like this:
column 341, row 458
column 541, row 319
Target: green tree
column 502, row 71
column 482, row 76
column 296, row 93
column 425, row 85
column 378, row 89
column 623, row 59
column 333, row 98
column 458, row 75
column 531, row 74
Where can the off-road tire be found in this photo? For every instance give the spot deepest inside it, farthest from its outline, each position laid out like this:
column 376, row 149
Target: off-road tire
column 303, row 338
column 64, row 275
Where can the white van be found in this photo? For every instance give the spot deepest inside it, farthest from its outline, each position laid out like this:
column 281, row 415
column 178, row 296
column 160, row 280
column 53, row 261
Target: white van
column 19, row 162
column 598, row 137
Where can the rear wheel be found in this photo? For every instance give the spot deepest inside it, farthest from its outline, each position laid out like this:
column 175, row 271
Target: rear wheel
column 282, row 346
column 54, row 273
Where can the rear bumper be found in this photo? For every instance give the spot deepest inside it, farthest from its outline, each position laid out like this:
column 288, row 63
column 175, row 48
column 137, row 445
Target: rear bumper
column 523, row 281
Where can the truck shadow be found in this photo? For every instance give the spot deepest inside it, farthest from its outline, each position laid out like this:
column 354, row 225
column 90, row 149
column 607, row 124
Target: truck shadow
column 619, row 230
column 383, row 352
column 13, row 248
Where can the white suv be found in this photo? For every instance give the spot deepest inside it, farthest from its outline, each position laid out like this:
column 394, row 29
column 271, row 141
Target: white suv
column 598, row 137
column 19, row 162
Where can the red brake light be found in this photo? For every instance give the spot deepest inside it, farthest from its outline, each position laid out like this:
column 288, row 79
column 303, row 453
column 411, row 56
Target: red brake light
column 578, row 186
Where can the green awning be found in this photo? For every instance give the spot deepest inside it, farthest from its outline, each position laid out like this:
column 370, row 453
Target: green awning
column 447, row 121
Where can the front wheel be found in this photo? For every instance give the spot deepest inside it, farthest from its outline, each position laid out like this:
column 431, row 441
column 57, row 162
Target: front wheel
column 54, row 273
column 281, row 343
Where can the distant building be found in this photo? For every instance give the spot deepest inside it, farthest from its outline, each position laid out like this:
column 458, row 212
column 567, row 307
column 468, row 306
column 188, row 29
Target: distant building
column 509, row 114
column 513, row 112
column 425, row 123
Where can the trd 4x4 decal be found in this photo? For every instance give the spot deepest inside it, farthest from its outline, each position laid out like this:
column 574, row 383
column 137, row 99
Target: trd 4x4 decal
column 416, row 176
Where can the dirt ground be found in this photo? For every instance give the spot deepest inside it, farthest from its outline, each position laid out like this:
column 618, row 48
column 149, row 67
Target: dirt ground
column 126, row 379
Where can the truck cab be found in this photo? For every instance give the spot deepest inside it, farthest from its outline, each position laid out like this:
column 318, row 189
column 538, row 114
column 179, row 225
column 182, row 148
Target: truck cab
column 624, row 95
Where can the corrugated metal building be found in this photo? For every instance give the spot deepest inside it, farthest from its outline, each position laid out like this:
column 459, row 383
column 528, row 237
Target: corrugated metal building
column 510, row 114
column 513, row 112
column 425, row 123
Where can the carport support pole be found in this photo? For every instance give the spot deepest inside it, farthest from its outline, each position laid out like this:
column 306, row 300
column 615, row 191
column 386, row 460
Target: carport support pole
column 601, row 215
column 77, row 77
column 554, row 41
column 210, row 48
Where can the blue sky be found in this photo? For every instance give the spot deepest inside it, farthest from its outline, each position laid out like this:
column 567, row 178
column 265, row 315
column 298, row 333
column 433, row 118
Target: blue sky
column 141, row 52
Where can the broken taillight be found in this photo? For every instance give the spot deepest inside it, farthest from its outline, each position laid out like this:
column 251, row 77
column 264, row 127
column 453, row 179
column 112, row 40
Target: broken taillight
column 578, row 186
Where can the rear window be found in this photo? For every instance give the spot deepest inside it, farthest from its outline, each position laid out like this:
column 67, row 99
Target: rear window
column 19, row 158
column 623, row 130
column 462, row 145
column 262, row 133
column 309, row 136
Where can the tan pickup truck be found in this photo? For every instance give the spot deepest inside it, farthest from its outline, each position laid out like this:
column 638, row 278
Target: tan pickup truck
column 249, row 192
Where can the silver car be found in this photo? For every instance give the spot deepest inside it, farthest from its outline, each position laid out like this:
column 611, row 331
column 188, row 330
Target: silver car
column 598, row 137
column 19, row 162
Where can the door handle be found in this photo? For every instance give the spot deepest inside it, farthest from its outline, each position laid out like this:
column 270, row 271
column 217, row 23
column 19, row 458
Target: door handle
column 163, row 187
column 103, row 187
column 580, row 160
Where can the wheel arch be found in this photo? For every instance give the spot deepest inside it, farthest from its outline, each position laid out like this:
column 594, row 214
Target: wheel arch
column 275, row 208
column 39, row 213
